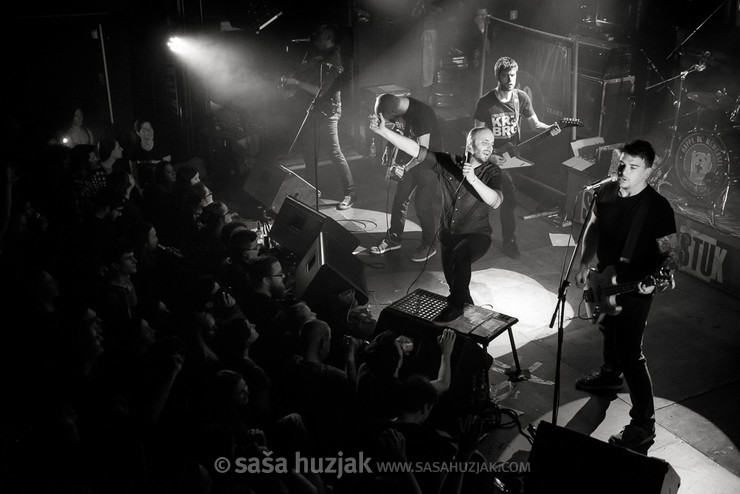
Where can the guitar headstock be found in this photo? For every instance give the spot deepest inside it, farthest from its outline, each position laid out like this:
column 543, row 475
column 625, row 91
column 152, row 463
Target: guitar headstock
column 566, row 122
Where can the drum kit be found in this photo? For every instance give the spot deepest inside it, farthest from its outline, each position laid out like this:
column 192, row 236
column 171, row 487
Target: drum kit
column 705, row 160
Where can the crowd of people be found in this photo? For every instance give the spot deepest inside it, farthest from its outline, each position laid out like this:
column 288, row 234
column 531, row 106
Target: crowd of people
column 149, row 332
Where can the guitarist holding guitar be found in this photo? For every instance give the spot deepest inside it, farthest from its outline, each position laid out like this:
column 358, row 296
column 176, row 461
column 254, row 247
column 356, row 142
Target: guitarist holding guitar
column 502, row 110
column 410, row 118
column 319, row 76
column 632, row 233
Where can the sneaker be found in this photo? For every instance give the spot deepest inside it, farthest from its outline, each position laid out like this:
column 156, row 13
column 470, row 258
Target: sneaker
column 384, row 246
column 347, row 203
column 599, row 382
column 448, row 314
column 632, row 437
column 511, row 249
column 423, row 253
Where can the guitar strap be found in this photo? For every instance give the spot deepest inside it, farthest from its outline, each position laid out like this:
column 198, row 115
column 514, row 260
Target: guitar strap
column 515, row 100
column 639, row 219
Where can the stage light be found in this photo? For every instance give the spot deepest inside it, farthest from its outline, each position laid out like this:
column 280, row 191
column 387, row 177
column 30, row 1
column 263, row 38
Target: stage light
column 177, row 44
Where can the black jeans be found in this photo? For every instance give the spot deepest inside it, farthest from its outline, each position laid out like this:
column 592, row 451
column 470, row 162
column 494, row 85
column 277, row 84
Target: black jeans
column 424, row 181
column 459, row 252
column 623, row 354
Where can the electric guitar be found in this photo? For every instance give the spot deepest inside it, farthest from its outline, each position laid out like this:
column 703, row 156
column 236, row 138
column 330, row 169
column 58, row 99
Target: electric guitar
column 601, row 290
column 394, row 169
column 511, row 152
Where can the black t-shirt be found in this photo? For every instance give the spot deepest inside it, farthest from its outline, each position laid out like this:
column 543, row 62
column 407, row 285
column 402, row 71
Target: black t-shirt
column 418, row 120
column 464, row 211
column 615, row 216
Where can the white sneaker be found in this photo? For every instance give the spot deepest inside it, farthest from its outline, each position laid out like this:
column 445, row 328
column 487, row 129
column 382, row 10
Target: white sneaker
column 347, row 203
column 423, row 253
column 383, row 247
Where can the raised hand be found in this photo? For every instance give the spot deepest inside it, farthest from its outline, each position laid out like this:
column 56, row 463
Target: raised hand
column 446, row 341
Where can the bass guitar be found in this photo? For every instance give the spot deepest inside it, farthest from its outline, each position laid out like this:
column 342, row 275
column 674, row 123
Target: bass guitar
column 601, row 290
column 511, row 152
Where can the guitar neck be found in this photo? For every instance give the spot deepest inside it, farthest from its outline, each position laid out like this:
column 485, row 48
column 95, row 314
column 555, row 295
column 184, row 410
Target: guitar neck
column 534, row 139
column 621, row 288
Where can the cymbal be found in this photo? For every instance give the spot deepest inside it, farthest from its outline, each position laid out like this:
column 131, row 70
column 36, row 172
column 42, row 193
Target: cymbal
column 713, row 101
column 709, row 57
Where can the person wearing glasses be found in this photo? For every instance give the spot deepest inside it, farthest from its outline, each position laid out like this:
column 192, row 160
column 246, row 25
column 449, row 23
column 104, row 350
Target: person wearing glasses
column 267, row 297
column 233, row 272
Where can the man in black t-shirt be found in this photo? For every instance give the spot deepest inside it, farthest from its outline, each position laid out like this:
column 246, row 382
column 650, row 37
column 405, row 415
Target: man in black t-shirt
column 633, row 231
column 502, row 110
column 416, row 120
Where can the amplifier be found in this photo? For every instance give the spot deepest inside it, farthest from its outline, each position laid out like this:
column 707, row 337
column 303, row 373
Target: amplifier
column 603, row 59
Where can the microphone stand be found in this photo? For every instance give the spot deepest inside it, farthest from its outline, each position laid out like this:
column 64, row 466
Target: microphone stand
column 680, row 45
column 559, row 312
column 682, row 76
column 309, row 110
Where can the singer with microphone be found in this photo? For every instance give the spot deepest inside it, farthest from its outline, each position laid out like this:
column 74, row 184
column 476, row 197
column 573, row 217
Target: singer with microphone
column 319, row 76
column 471, row 187
column 632, row 232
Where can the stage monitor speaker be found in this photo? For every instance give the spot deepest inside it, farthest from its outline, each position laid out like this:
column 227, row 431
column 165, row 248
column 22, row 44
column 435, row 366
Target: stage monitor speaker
column 297, row 226
column 326, row 269
column 563, row 460
column 271, row 184
column 605, row 107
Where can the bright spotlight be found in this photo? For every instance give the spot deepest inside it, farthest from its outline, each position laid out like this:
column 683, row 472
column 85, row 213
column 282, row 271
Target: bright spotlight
column 176, row 44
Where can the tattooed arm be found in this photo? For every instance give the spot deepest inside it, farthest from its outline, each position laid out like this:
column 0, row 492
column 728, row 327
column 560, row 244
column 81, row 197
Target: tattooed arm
column 668, row 248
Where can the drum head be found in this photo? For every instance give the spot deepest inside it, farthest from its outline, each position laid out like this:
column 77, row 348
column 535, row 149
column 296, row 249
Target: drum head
column 701, row 159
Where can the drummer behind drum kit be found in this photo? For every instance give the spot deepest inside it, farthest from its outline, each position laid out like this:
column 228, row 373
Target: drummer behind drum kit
column 706, row 159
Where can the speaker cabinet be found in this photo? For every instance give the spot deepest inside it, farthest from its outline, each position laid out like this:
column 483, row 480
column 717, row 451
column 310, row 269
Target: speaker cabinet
column 271, row 184
column 297, row 226
column 328, row 268
column 567, row 461
column 605, row 107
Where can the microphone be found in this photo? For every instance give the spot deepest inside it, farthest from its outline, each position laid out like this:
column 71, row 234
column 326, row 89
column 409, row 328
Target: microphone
column 339, row 69
column 301, row 40
column 611, row 178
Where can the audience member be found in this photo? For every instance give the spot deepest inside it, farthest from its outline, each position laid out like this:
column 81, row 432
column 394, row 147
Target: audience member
column 145, row 152
column 232, row 342
column 321, row 394
column 77, row 133
column 233, row 273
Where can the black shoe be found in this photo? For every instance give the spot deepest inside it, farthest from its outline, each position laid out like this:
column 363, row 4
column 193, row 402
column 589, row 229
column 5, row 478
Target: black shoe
column 599, row 381
column 633, row 437
column 448, row 314
column 511, row 249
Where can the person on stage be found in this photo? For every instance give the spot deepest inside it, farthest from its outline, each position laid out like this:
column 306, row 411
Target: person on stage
column 502, row 110
column 632, row 229
column 471, row 187
column 321, row 68
column 415, row 120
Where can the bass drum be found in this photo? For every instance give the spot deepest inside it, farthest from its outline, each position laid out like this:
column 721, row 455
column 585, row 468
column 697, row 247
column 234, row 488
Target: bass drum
column 704, row 161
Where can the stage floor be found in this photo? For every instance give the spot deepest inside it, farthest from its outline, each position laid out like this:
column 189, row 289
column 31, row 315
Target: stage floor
column 692, row 341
